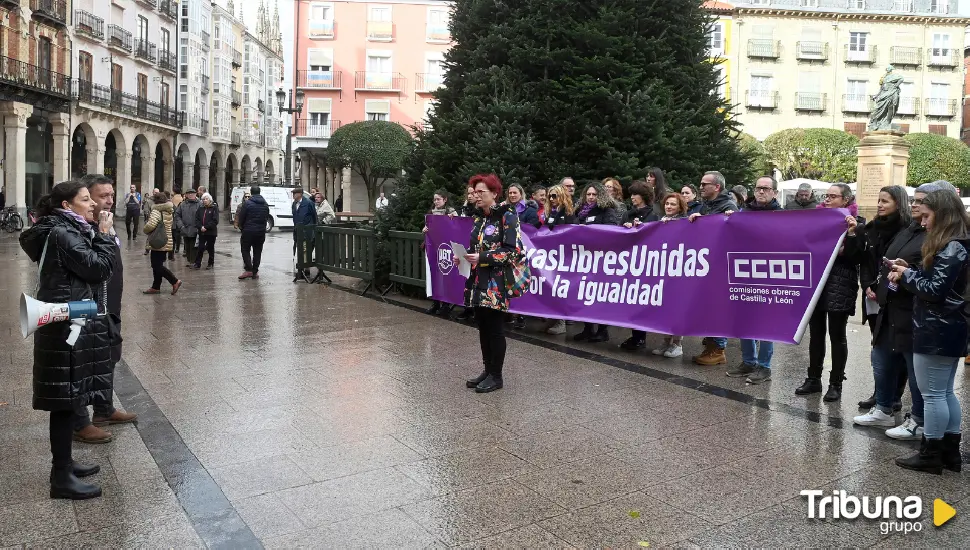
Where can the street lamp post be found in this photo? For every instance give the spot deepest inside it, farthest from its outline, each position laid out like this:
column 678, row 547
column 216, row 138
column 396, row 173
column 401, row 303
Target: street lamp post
column 287, row 107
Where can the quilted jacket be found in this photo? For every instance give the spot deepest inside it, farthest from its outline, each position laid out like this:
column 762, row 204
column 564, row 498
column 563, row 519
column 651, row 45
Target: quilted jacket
column 161, row 213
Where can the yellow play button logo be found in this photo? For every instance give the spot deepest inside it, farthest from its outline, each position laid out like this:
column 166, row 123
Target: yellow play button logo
column 942, row 512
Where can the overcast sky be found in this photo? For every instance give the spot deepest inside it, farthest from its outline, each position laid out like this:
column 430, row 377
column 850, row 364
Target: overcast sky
column 251, row 10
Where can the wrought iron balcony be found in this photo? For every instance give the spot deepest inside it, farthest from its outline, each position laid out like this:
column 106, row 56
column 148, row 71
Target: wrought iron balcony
column 205, row 84
column 942, row 108
column 54, row 11
column 428, row 82
column 306, row 128
column 236, row 98
column 908, row 106
column 811, row 101
column 236, row 58
column 206, row 39
column 761, row 99
column 866, row 56
column 169, row 8
column 119, row 38
column 943, row 57
column 385, row 82
column 146, row 50
column 167, row 61
column 116, row 101
column 812, row 51
column 856, row 103
column 906, row 56
column 150, row 3
column 764, row 49
column 205, row 127
column 87, row 24
column 321, row 80
column 25, row 75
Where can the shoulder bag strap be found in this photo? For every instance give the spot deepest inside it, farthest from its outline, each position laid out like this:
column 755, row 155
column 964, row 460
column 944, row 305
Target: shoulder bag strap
column 40, row 264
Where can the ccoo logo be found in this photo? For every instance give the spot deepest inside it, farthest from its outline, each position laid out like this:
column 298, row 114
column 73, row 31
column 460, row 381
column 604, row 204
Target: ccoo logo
column 446, row 259
column 787, row 269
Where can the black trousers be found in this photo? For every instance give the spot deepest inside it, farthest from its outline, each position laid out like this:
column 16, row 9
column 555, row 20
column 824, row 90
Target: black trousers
column 207, row 243
column 131, row 219
column 189, row 248
column 62, row 434
column 176, row 240
column 251, row 243
column 159, row 270
column 491, row 333
column 837, row 323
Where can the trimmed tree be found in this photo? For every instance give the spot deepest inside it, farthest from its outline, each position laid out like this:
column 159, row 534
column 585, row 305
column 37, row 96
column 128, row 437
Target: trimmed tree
column 935, row 157
column 816, row 153
column 754, row 150
column 375, row 150
column 536, row 90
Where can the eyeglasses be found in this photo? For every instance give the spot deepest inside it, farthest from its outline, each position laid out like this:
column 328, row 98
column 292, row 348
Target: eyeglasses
column 703, row 183
column 832, row 197
column 916, row 202
column 764, row 189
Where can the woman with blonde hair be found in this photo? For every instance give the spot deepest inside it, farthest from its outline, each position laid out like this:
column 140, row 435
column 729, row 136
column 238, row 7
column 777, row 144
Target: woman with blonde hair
column 558, row 211
column 615, row 190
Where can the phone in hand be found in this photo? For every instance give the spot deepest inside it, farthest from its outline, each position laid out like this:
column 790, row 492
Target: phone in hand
column 887, row 262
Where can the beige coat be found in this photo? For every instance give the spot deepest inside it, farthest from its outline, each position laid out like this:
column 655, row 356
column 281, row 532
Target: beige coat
column 161, row 213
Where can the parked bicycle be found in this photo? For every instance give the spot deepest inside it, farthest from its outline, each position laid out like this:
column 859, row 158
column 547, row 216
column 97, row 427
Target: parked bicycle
column 11, row 220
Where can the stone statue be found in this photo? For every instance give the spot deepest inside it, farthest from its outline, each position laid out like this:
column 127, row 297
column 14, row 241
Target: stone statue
column 886, row 101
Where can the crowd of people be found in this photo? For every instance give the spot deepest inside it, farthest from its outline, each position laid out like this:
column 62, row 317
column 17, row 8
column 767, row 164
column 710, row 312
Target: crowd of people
column 910, row 261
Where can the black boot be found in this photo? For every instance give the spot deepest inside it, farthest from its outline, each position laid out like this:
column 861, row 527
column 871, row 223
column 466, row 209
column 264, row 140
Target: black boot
column 81, row 470
column 477, row 380
column 467, row 315
column 951, row 453
column 602, row 334
column 868, row 403
column 929, row 459
column 585, row 335
column 489, row 384
column 446, row 310
column 435, row 308
column 834, row 393
column 66, row 485
column 810, row 386
column 633, row 343
column 519, row 323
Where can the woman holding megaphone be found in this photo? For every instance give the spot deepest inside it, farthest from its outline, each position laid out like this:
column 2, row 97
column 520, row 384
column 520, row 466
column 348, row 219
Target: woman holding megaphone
column 75, row 254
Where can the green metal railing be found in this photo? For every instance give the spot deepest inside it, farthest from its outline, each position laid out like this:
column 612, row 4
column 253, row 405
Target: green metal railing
column 407, row 259
column 350, row 252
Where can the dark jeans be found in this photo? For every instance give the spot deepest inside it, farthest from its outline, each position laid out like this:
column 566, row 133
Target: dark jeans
column 252, row 243
column 491, row 333
column 207, row 243
column 189, row 248
column 176, row 241
column 837, row 323
column 889, row 369
column 159, row 270
column 131, row 219
column 61, row 434
column 639, row 335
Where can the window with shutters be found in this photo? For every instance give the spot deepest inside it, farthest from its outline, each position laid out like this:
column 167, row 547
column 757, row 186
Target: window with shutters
column 809, row 96
column 318, row 125
column 858, row 46
column 940, row 52
column 811, row 46
column 908, row 101
column 939, row 99
column 761, row 93
column 939, row 129
column 377, row 109
column 855, row 128
column 437, row 29
column 715, row 40
column 320, row 68
column 856, row 96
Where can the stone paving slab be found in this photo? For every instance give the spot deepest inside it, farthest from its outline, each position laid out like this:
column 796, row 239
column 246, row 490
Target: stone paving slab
column 306, row 416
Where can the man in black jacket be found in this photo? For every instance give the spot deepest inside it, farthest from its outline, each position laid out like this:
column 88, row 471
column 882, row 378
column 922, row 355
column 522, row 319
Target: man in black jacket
column 102, row 192
column 252, row 223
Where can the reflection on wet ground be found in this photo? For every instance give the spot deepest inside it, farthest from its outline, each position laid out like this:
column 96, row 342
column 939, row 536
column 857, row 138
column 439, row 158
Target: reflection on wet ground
column 289, row 415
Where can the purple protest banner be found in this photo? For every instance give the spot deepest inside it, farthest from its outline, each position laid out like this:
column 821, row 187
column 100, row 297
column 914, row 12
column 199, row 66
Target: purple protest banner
column 749, row 275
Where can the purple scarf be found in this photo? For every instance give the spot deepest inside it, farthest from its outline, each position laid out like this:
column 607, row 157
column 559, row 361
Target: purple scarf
column 581, row 215
column 520, row 207
column 75, row 216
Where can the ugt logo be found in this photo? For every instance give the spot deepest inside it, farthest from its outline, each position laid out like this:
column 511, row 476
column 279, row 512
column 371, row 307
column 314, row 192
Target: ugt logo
column 785, row 269
column 446, row 259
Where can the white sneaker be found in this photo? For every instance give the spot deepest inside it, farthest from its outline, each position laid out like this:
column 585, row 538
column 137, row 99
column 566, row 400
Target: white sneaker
column 907, row 431
column 558, row 327
column 661, row 350
column 875, row 417
column 674, row 351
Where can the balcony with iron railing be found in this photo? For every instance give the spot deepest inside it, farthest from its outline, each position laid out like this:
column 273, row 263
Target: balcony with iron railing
column 89, row 25
column 941, row 108
column 150, row 3
column 236, row 139
column 236, row 58
column 812, row 51
column 380, row 31
column 764, row 48
column 378, row 81
column 761, row 99
column 321, row 28
column 169, row 8
column 236, row 98
column 856, row 55
column 305, row 128
column 167, row 61
column 119, row 38
column 811, row 102
column 906, row 56
column 205, row 84
column 856, row 103
column 116, row 101
column 54, row 11
column 320, row 80
column 428, row 82
column 908, row 106
column 205, row 127
column 206, row 39
column 25, row 75
column 943, row 57
column 146, row 50
column 437, row 34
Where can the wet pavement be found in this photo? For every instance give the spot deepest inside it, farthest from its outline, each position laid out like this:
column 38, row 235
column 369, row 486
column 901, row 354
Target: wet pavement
column 286, row 415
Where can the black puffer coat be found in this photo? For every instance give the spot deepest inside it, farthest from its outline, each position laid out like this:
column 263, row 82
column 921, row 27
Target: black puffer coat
column 719, row 204
column 842, row 287
column 939, row 327
column 894, row 326
column 878, row 234
column 76, row 267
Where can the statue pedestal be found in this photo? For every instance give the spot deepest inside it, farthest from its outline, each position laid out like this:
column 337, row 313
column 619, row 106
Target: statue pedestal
column 883, row 160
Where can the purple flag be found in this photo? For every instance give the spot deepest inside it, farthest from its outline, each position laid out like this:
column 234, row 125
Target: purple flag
column 750, row 275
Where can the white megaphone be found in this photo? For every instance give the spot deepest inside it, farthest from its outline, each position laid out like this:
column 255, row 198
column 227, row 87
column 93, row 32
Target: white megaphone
column 35, row 314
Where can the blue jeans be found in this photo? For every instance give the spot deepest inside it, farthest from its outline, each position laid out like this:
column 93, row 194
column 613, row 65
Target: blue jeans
column 914, row 391
column 935, row 375
column 764, row 352
column 721, row 343
column 886, row 368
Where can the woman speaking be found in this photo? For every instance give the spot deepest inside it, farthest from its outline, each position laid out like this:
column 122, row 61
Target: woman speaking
column 76, row 256
column 495, row 246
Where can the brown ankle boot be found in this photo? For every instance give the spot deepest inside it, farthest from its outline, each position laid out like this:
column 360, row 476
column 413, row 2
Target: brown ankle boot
column 92, row 434
column 708, row 348
column 717, row 356
column 118, row 417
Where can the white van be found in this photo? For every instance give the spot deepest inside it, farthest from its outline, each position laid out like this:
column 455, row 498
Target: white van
column 279, row 199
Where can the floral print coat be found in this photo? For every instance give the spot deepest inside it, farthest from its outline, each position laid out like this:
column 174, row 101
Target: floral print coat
column 496, row 238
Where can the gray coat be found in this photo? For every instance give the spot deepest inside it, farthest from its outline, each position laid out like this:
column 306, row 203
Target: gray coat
column 185, row 217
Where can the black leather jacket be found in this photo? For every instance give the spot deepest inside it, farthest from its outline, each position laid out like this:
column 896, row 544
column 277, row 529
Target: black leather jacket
column 893, row 328
column 939, row 327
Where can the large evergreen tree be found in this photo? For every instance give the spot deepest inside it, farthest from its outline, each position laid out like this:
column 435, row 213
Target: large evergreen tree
column 540, row 89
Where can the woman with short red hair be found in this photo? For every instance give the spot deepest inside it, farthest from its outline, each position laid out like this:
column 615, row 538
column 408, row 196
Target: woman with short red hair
column 495, row 246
